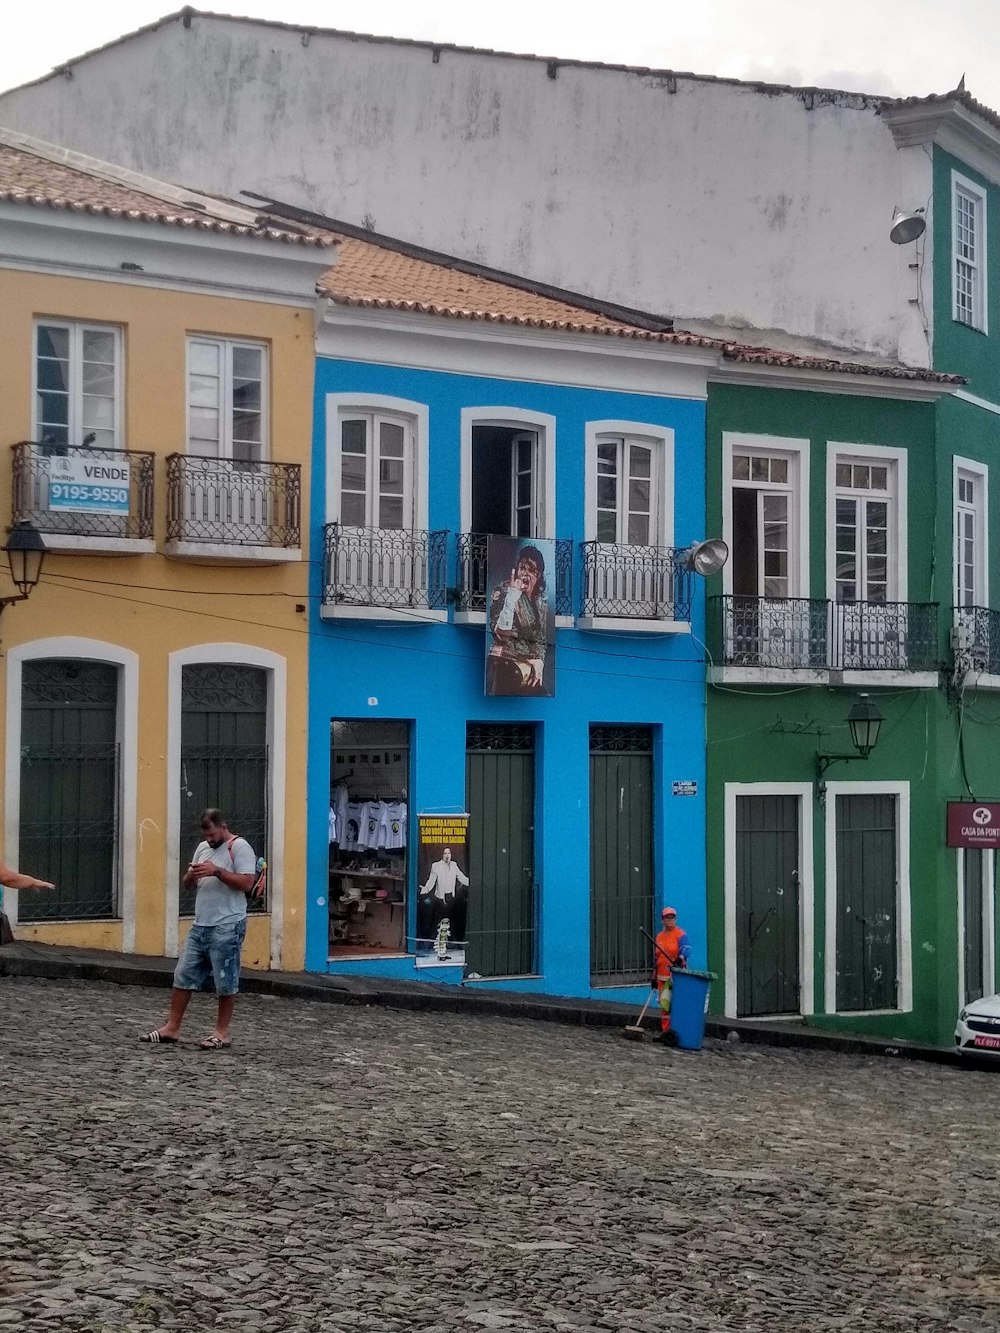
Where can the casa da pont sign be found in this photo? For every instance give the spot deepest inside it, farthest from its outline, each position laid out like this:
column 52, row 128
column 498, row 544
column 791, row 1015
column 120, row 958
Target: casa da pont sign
column 974, row 823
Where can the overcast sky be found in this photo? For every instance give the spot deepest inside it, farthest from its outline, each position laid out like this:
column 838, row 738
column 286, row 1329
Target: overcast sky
column 898, row 47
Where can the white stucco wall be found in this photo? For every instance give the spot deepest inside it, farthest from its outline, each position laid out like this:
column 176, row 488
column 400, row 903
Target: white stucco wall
column 712, row 200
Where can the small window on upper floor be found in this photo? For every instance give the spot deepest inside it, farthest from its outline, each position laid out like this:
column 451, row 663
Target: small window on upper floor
column 78, row 385
column 628, row 491
column 227, row 399
column 968, row 240
column 375, row 475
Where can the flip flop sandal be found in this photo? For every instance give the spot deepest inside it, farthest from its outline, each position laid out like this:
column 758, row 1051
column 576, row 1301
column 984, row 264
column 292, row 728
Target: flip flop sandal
column 156, row 1038
column 214, row 1044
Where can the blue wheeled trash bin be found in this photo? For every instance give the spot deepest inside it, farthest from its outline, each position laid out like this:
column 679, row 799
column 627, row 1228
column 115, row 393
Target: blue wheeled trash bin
column 688, row 1004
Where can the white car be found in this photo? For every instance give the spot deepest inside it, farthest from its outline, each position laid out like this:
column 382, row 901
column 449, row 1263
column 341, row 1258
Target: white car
column 978, row 1027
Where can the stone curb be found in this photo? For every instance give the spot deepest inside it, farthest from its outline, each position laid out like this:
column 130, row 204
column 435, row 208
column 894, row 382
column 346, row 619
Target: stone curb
column 54, row 963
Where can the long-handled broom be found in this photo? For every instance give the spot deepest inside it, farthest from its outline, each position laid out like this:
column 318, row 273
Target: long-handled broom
column 635, row 1031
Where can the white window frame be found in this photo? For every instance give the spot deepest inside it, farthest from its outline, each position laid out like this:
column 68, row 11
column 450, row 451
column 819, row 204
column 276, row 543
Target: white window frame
column 838, row 451
column 227, row 345
column 978, row 473
column 127, row 732
column 543, row 424
column 797, row 453
column 807, row 888
column 904, row 927
column 276, row 666
column 341, row 405
column 373, row 456
column 989, row 922
column 661, row 440
column 76, row 329
column 977, row 195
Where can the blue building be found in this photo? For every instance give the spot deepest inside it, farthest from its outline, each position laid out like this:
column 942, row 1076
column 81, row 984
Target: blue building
column 453, row 408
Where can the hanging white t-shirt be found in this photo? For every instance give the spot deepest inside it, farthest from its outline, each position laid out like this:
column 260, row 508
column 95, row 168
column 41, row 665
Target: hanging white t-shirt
column 352, row 827
column 333, row 825
column 372, row 822
column 393, row 829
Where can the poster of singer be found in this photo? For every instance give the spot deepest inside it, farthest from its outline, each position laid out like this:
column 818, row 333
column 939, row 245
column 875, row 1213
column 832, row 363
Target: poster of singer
column 443, row 890
column 521, row 640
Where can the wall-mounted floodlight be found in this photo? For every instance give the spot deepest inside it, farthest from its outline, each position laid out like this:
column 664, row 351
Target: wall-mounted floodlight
column 706, row 557
column 907, row 227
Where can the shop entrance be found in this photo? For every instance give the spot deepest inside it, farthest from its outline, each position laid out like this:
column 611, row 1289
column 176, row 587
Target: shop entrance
column 368, row 828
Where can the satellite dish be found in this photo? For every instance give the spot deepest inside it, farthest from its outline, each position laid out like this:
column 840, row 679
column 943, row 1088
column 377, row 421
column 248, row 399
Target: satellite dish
column 906, row 227
column 707, row 557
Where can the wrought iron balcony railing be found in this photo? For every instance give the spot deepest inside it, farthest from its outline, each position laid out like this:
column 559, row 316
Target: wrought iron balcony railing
column 386, row 568
column 471, row 580
column 635, row 582
column 798, row 633
column 786, row 633
column 223, row 501
column 884, row 636
column 83, row 492
column 981, row 649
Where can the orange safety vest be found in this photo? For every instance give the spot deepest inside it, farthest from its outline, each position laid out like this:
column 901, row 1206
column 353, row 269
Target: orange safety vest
column 670, row 941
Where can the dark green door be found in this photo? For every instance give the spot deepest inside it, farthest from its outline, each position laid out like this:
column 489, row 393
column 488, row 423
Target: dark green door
column 621, row 854
column 767, row 905
column 866, row 902
column 223, row 756
column 500, row 792
column 69, row 788
column 973, row 887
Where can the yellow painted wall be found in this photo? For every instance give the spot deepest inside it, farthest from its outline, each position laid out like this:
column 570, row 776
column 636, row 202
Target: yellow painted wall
column 153, row 605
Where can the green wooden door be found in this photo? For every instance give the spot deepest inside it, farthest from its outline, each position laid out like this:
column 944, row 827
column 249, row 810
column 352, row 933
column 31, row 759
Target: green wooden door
column 69, row 788
column 767, row 904
column 973, row 888
column 223, row 757
column 621, row 854
column 866, row 902
column 500, row 792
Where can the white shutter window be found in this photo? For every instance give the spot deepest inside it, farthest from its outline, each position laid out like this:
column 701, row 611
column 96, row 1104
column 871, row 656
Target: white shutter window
column 376, row 471
column 77, row 369
column 227, row 399
column 969, row 254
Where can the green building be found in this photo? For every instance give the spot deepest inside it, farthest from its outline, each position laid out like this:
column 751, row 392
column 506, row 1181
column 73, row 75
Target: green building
column 857, row 514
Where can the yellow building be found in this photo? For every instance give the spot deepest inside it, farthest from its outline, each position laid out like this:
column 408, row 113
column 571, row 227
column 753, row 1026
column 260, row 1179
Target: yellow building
column 156, row 375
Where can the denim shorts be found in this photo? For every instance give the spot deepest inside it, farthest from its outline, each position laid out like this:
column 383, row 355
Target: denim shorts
column 211, row 953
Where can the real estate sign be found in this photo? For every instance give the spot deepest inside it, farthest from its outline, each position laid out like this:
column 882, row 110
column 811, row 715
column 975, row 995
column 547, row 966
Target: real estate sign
column 86, row 485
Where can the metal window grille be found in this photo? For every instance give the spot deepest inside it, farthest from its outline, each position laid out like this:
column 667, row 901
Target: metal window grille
column 471, row 581
column 637, row 582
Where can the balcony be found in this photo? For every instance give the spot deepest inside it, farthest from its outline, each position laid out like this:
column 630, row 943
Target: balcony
column 770, row 633
column 637, row 588
column 761, row 638
column 470, row 593
column 976, row 645
column 85, row 499
column 226, row 509
column 384, row 574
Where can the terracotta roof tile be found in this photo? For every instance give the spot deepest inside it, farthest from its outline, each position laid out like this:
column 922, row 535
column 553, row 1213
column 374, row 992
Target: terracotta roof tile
column 377, row 277
column 30, row 178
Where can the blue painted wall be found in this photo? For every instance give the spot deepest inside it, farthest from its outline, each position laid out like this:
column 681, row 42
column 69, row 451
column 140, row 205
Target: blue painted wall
column 432, row 675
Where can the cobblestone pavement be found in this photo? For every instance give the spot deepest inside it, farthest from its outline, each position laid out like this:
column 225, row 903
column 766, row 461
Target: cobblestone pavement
column 364, row 1170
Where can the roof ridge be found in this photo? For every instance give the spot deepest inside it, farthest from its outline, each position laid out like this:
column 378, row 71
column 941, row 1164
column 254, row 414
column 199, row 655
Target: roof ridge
column 189, row 12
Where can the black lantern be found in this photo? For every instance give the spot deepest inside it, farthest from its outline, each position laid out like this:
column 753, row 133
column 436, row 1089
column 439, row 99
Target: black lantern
column 864, row 720
column 25, row 553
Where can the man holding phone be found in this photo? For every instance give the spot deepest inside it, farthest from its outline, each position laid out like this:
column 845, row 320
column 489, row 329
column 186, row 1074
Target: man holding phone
column 223, row 869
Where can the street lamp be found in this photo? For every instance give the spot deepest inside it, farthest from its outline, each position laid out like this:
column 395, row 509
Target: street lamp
column 25, row 552
column 864, row 721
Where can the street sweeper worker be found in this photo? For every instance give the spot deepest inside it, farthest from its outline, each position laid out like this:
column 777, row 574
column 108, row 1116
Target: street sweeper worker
column 672, row 950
